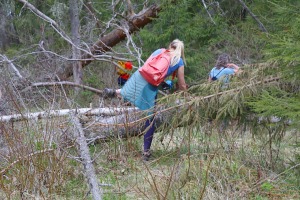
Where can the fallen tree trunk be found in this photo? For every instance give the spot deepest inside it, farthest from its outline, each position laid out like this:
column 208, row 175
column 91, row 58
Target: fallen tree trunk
column 62, row 83
column 105, row 43
column 111, row 123
column 84, row 152
column 128, row 124
column 64, row 112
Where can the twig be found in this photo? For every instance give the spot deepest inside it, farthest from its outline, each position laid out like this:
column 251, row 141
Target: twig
column 41, row 84
column 10, row 63
column 27, row 157
column 54, row 25
column 261, row 181
column 205, row 6
column 261, row 26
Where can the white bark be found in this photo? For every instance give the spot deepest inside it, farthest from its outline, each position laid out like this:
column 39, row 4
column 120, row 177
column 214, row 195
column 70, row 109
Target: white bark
column 45, row 84
column 12, row 66
column 86, row 158
column 64, row 112
column 205, row 6
column 261, row 26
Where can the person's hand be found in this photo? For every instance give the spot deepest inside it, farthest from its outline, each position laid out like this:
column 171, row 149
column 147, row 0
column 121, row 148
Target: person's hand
column 233, row 66
column 230, row 65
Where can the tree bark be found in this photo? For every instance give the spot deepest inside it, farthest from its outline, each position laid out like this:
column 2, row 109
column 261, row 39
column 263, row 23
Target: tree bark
column 128, row 124
column 261, row 26
column 105, row 43
column 75, row 25
column 85, row 156
column 7, row 30
column 64, row 112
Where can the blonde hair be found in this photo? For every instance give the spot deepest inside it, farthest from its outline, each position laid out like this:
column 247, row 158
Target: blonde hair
column 176, row 48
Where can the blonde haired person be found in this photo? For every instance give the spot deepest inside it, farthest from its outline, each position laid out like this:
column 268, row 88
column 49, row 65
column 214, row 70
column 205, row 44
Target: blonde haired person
column 143, row 95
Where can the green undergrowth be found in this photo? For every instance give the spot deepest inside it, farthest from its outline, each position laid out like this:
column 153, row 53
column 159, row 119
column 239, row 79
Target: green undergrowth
column 193, row 165
column 186, row 163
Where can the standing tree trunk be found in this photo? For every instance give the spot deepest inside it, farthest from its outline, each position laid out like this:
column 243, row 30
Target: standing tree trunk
column 7, row 29
column 75, row 25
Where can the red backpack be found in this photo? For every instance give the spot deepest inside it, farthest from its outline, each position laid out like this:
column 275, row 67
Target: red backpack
column 156, row 67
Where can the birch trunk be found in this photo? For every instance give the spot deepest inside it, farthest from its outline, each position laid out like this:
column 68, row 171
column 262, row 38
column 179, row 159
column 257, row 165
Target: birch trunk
column 64, row 112
column 86, row 158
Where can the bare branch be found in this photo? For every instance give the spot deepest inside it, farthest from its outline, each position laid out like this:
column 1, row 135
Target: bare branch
column 3, row 171
column 111, row 39
column 54, row 25
column 88, row 5
column 39, row 13
column 60, row 84
column 13, row 67
column 130, row 11
column 261, row 26
column 86, row 157
column 204, row 4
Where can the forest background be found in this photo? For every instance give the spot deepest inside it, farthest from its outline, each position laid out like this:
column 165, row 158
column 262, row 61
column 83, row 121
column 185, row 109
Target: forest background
column 238, row 143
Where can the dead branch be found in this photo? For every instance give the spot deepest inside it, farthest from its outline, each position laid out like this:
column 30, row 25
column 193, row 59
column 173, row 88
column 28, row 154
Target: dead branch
column 130, row 10
column 205, row 6
column 64, row 112
column 54, row 25
column 88, row 5
column 105, row 43
column 261, row 26
column 12, row 66
column 39, row 13
column 3, row 171
column 130, row 124
column 86, row 157
column 43, row 84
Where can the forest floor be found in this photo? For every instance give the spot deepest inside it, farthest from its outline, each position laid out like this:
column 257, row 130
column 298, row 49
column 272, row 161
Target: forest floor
column 186, row 163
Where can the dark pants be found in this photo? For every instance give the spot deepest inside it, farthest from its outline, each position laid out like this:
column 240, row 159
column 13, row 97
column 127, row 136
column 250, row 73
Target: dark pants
column 148, row 137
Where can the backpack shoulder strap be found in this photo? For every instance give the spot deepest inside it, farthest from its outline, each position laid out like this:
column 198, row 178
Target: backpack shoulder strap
column 219, row 72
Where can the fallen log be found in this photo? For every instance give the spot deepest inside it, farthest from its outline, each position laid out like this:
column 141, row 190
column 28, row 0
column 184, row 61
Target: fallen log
column 104, row 44
column 132, row 123
column 84, row 152
column 111, row 123
column 64, row 112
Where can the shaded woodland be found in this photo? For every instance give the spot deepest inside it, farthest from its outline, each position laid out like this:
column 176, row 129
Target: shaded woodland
column 60, row 139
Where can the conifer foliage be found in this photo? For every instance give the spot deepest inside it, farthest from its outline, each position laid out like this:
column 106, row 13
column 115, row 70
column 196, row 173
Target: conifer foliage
column 230, row 133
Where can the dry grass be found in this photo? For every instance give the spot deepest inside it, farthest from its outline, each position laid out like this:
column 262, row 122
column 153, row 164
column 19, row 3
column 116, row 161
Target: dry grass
column 194, row 162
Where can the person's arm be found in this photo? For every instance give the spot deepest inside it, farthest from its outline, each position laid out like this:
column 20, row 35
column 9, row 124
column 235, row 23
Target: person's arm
column 181, row 81
column 209, row 78
column 234, row 67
